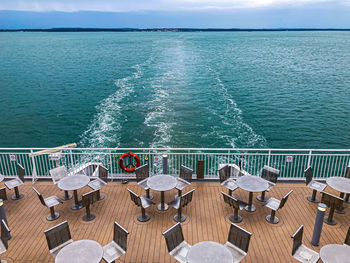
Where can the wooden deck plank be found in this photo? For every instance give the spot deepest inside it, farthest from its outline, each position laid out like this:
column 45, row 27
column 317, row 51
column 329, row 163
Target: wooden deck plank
column 207, row 219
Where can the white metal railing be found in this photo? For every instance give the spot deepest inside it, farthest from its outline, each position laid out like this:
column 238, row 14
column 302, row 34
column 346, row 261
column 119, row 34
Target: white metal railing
column 290, row 162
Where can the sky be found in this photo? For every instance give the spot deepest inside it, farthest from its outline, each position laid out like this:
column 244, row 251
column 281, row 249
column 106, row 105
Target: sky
column 16, row 14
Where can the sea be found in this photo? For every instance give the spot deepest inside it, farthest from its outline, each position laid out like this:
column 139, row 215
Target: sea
column 172, row 89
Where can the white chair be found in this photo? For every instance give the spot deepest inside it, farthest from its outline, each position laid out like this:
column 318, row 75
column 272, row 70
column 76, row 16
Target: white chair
column 118, row 246
column 314, row 185
column 100, row 181
column 57, row 174
column 177, row 246
column 238, row 242
column 301, row 252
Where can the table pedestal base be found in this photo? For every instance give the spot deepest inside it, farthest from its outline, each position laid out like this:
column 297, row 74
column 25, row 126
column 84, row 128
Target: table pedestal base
column 92, row 217
column 15, row 197
column 66, row 196
column 262, row 198
column 235, row 220
column 316, row 200
column 250, row 209
column 340, row 211
column 182, row 219
column 77, row 206
column 143, row 218
column 332, row 222
column 50, row 218
column 162, row 207
column 274, row 221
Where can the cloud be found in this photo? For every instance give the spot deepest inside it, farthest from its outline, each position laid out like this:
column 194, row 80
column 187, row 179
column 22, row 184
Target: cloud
column 156, row 5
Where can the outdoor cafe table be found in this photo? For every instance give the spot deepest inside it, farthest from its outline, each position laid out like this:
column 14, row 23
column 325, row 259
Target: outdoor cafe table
column 81, row 251
column 209, row 252
column 340, row 184
column 251, row 184
column 162, row 183
column 73, row 183
column 335, row 253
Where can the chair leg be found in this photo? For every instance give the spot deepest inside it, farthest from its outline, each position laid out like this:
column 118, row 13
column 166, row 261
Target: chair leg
column 179, row 217
column 272, row 218
column 262, row 197
column 235, row 218
column 342, row 211
column 88, row 216
column 17, row 195
column 144, row 217
column 313, row 198
column 148, row 195
column 53, row 215
column 66, row 196
column 329, row 219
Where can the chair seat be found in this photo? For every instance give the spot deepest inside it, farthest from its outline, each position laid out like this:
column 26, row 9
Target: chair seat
column 305, row 254
column 230, row 184
column 181, row 184
column 242, row 204
column 13, row 183
column 317, row 186
column 2, row 247
column 237, row 253
column 176, row 202
column 180, row 252
column 57, row 249
column 145, row 202
column 143, row 184
column 52, row 201
column 272, row 203
column 97, row 184
column 112, row 251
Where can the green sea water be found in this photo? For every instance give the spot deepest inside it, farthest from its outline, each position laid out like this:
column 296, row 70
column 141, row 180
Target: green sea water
column 224, row 89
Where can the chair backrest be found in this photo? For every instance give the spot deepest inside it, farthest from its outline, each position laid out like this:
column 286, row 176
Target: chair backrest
column 103, row 173
column 186, row 173
column 270, row 174
column 134, row 197
column 186, row 198
column 173, row 237
column 224, row 173
column 332, row 200
column 347, row 238
column 230, row 200
column 297, row 239
column 58, row 235
column 3, row 195
column 5, row 233
column 239, row 237
column 40, row 196
column 347, row 172
column 58, row 173
column 235, row 171
column 120, row 236
column 284, row 199
column 142, row 172
column 308, row 175
column 20, row 171
column 90, row 197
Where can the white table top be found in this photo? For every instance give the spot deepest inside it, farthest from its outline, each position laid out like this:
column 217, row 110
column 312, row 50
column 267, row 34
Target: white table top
column 335, row 253
column 161, row 182
column 252, row 183
column 73, row 182
column 81, row 251
column 209, row 252
column 340, row 184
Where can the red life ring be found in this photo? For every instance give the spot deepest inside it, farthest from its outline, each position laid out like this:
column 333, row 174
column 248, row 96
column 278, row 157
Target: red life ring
column 131, row 163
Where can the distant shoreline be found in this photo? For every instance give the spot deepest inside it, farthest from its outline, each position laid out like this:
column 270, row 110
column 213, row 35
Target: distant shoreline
column 170, row 30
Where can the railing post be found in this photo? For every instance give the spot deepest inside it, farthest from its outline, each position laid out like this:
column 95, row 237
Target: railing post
column 309, row 160
column 34, row 174
column 110, row 162
column 165, row 164
column 269, row 158
column 71, row 157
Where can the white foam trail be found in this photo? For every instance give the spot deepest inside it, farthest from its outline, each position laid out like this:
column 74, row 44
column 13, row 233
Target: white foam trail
column 104, row 130
column 233, row 120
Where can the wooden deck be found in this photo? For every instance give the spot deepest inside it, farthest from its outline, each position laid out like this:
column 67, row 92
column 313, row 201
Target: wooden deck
column 207, row 219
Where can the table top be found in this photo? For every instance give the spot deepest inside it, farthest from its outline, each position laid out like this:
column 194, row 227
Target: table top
column 335, row 253
column 73, row 182
column 2, row 178
column 252, row 183
column 340, row 184
column 161, row 182
column 81, row 251
column 209, row 252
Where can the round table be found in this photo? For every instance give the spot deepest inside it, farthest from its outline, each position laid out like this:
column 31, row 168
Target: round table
column 2, row 178
column 251, row 184
column 335, row 253
column 340, row 184
column 162, row 183
column 73, row 183
column 209, row 252
column 81, row 251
